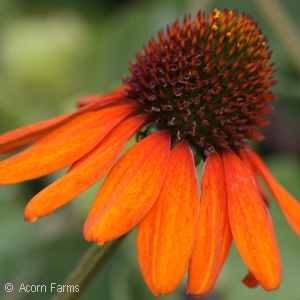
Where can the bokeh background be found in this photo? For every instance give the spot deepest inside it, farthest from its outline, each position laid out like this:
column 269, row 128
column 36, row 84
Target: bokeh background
column 54, row 52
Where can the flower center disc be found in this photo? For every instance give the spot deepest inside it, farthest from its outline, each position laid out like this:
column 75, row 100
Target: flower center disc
column 206, row 81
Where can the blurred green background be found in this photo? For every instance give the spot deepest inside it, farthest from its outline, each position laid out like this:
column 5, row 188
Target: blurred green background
column 54, row 52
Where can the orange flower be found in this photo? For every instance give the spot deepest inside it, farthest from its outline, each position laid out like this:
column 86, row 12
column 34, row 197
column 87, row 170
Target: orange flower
column 194, row 94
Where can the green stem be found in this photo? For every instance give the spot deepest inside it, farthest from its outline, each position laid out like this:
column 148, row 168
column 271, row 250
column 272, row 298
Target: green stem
column 87, row 268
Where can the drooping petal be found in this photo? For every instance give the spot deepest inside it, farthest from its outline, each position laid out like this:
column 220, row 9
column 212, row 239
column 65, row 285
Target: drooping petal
column 23, row 136
column 250, row 225
column 129, row 190
column 20, row 137
column 250, row 281
column 166, row 234
column 213, row 237
column 85, row 172
column 63, row 146
column 288, row 204
column 102, row 100
column 245, row 158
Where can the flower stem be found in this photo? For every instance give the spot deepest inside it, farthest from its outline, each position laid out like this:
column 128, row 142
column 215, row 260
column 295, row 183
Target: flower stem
column 88, row 267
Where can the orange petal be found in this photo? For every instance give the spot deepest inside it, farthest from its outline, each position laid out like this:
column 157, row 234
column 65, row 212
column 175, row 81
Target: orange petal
column 63, row 146
column 288, row 204
column 85, row 172
column 244, row 157
column 250, row 225
column 129, row 190
column 213, row 238
column 102, row 100
column 20, row 137
column 250, row 281
column 166, row 235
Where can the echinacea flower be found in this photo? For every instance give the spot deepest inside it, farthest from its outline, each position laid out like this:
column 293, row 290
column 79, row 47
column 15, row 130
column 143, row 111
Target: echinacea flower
column 196, row 93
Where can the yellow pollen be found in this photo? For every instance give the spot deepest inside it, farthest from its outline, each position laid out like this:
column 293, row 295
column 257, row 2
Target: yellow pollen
column 228, row 34
column 263, row 43
column 215, row 27
column 216, row 13
column 238, row 45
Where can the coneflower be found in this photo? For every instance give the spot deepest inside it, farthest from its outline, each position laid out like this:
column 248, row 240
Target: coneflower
column 195, row 93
